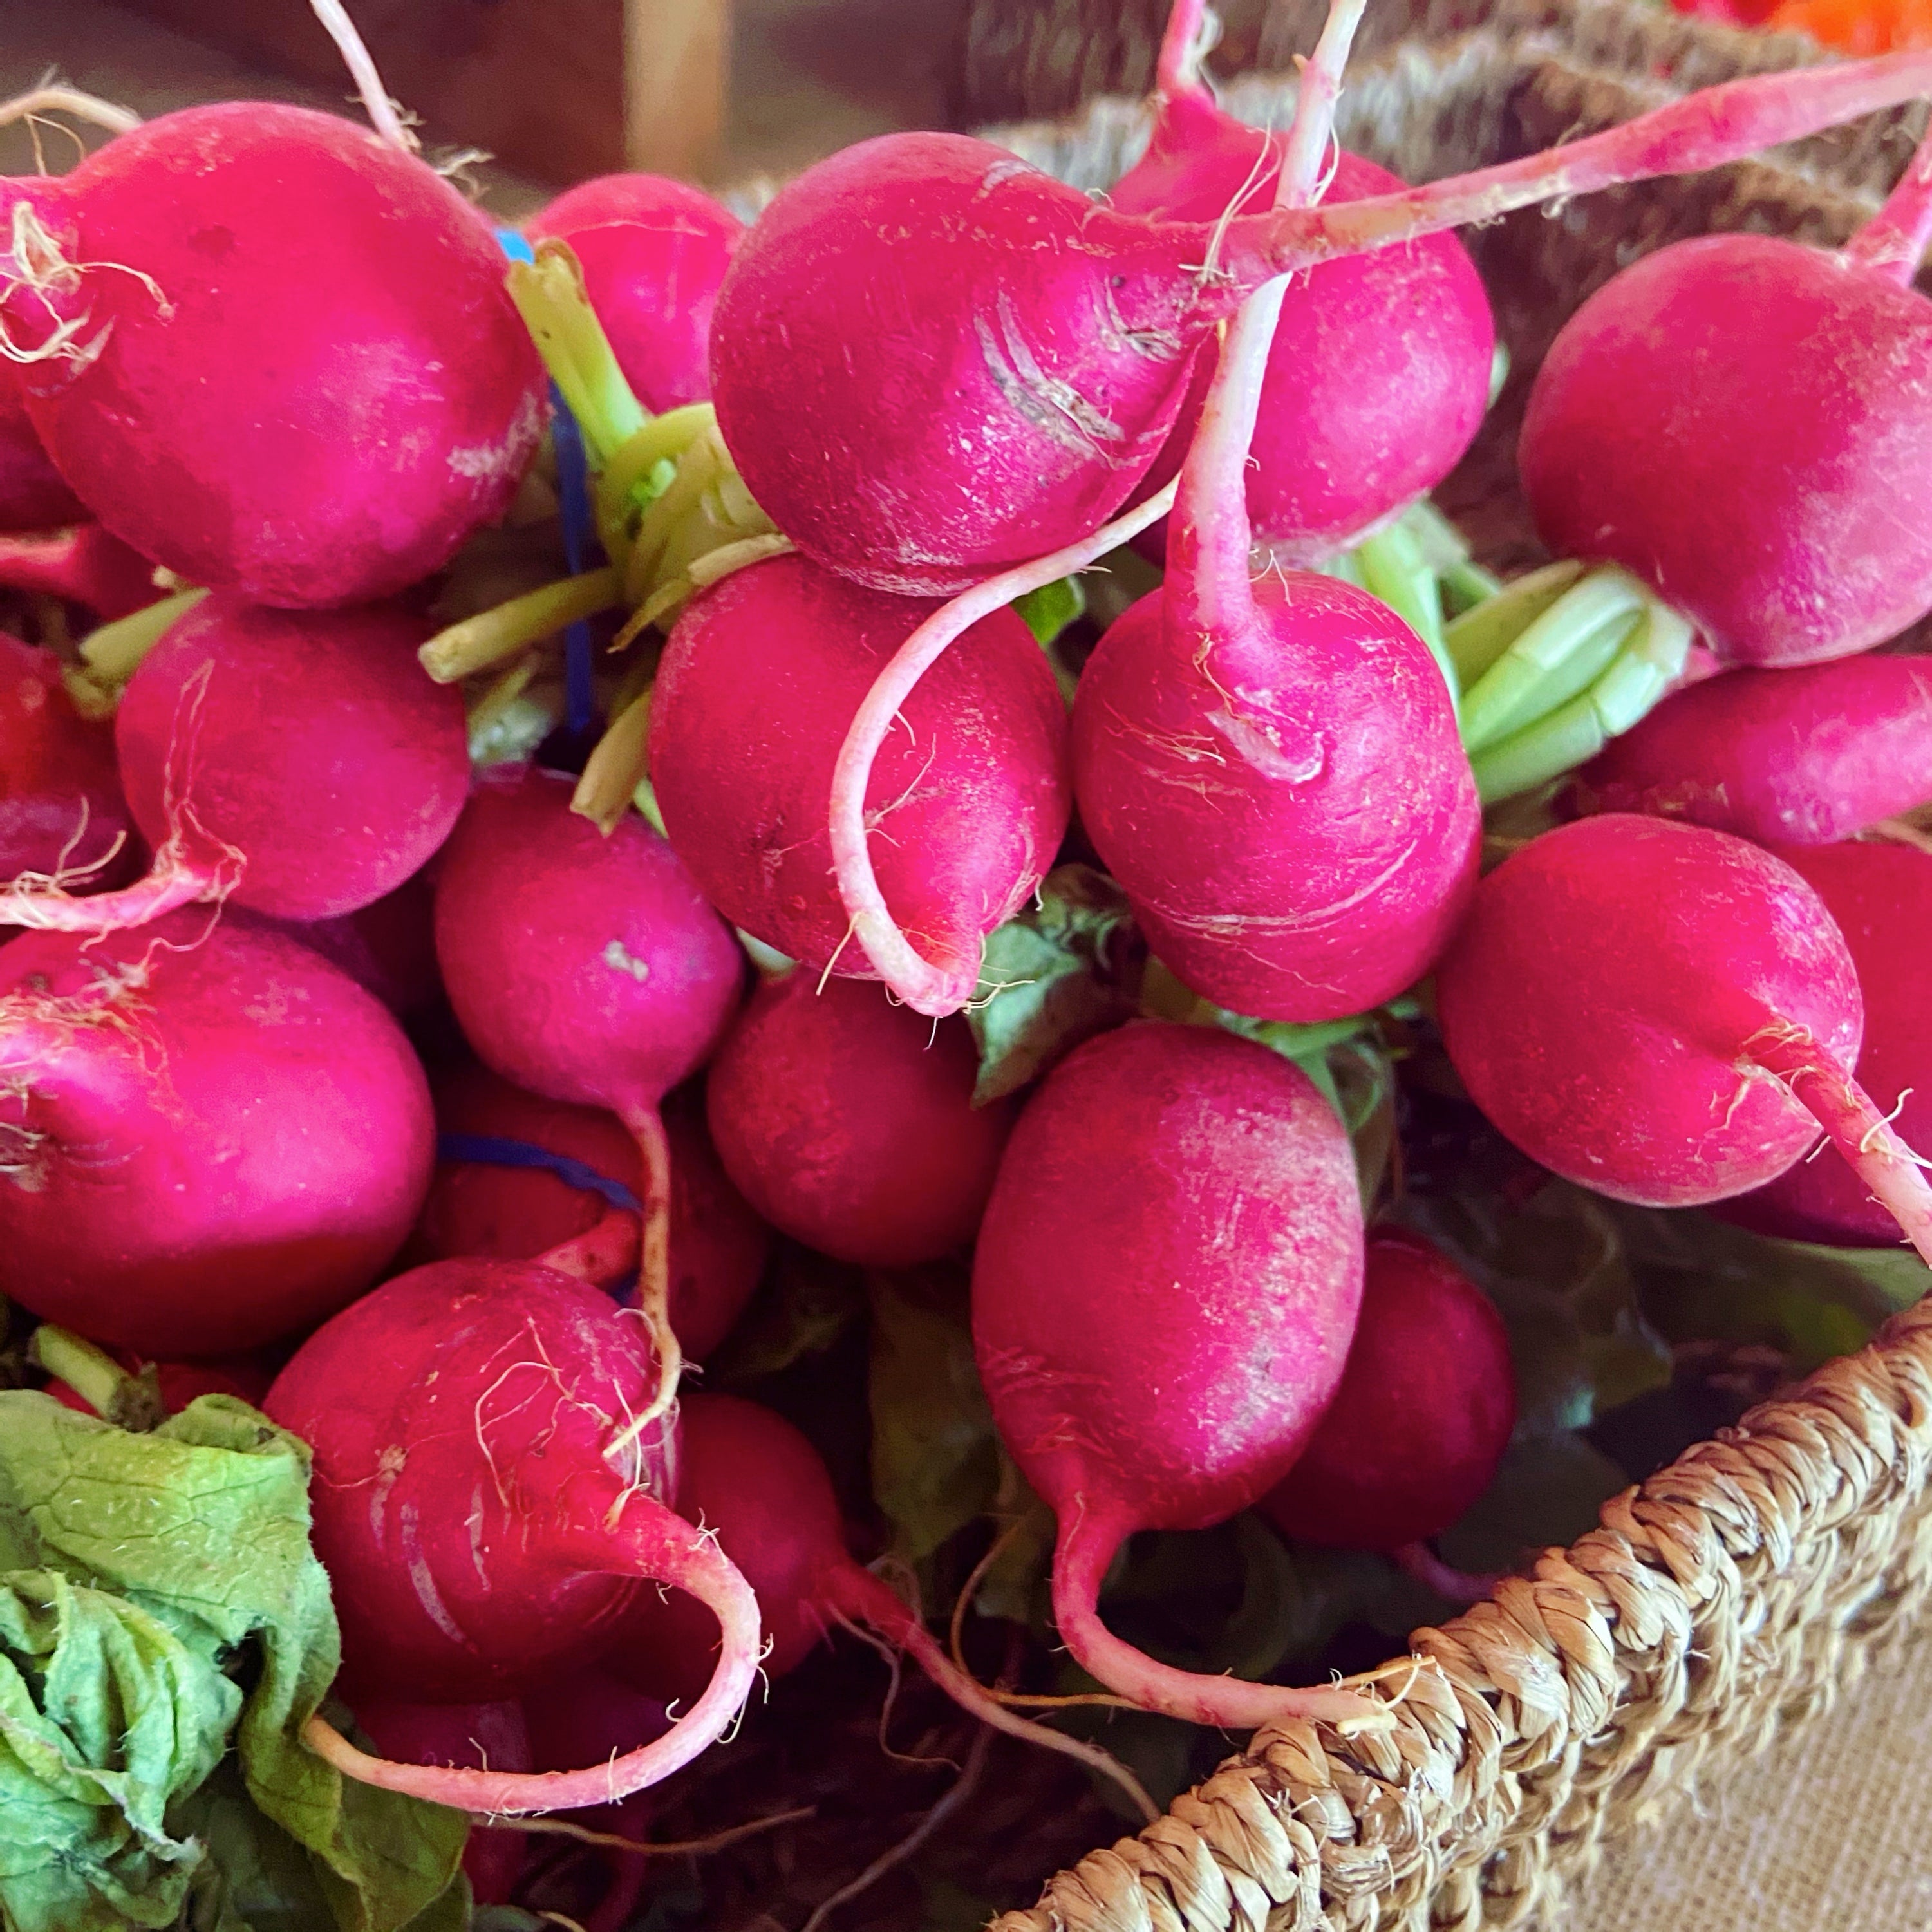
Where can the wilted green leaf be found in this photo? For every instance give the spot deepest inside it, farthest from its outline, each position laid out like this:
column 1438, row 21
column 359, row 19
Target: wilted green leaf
column 165, row 1599
column 935, row 1468
column 1703, row 1280
column 1065, row 969
column 1548, row 1491
column 802, row 1306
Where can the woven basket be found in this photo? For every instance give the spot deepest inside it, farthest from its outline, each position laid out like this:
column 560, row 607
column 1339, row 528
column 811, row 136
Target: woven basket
column 1740, row 1587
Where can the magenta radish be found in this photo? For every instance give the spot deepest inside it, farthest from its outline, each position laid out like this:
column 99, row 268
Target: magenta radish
column 1379, row 374
column 1421, row 1417
column 1035, row 355
column 1790, row 535
column 653, row 253
column 1165, row 1284
column 517, row 1173
column 297, row 762
column 274, row 353
column 750, row 1477
column 1802, row 757
column 1880, row 896
column 60, row 808
column 486, row 1504
column 963, row 809
column 212, row 1137
column 588, row 969
column 1667, row 1014
column 476, row 1737
column 1271, row 766
column 848, row 1122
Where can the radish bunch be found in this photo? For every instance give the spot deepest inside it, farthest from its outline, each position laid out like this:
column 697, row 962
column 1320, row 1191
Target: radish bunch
column 481, row 1027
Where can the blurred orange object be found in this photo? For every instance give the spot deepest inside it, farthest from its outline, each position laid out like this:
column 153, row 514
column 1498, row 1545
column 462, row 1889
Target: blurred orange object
column 1857, row 26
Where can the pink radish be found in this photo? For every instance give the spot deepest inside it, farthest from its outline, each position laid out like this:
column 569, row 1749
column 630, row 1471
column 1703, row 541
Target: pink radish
column 1033, row 355
column 273, row 353
column 486, row 1501
column 1421, row 1417
column 1379, row 374
column 1788, row 534
column 297, row 762
column 1667, row 1014
column 653, row 252
column 476, row 1737
column 749, row 1476
column 212, row 1137
column 1801, row 756
column 587, row 969
column 1271, row 766
column 1880, row 896
column 81, row 564
column 517, row 1173
column 60, row 808
column 387, row 947
column 1165, row 1284
column 848, row 1123
column 33, row 495
column 965, row 807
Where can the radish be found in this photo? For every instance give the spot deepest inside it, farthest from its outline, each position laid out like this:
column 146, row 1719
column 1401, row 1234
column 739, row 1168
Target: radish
column 476, row 1737
column 273, row 353
column 485, row 1501
column 298, row 762
column 517, row 1174
column 653, row 252
column 848, row 1123
column 1788, row 533
column 588, row 969
column 1665, row 1014
column 966, row 806
column 1165, row 1284
column 212, row 1137
column 61, row 812
column 1803, row 757
column 1271, row 766
column 34, row 496
column 1379, row 374
column 387, row 947
column 930, row 361
column 1880, row 896
column 750, row 1477
column 83, row 564
column 1421, row 1417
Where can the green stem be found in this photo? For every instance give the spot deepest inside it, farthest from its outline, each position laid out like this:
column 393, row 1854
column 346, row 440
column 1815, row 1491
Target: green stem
column 1466, row 584
column 549, row 296
column 113, row 653
column 1639, row 674
column 632, row 480
column 1395, row 568
column 1478, row 639
column 492, row 635
column 129, row 1401
column 1555, row 658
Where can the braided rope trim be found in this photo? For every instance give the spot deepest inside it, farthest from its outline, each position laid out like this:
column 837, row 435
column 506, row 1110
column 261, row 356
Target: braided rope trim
column 1740, row 1582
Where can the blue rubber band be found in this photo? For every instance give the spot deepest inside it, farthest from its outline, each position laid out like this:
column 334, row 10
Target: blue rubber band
column 492, row 1150
column 573, row 485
